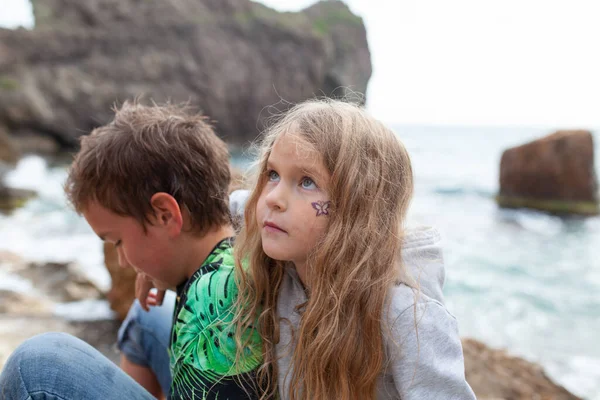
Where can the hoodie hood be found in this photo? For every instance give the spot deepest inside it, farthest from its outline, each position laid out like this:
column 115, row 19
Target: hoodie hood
column 423, row 262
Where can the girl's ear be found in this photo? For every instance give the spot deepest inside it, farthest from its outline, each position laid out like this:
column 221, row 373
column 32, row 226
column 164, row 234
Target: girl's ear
column 167, row 213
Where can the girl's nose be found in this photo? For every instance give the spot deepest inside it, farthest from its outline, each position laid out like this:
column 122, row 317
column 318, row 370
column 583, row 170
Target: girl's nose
column 277, row 198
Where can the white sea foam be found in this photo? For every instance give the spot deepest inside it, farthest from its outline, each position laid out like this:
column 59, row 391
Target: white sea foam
column 84, row 310
column 14, row 283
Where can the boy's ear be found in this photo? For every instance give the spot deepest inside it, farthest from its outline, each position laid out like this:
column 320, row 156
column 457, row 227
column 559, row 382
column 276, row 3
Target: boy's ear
column 167, row 212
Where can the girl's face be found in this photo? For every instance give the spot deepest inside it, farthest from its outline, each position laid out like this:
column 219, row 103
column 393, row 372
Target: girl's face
column 293, row 208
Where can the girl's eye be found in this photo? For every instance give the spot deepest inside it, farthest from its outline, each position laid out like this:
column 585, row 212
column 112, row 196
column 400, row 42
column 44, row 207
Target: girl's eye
column 273, row 176
column 308, row 183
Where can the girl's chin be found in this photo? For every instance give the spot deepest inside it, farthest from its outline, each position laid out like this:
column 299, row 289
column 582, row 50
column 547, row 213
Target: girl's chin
column 274, row 254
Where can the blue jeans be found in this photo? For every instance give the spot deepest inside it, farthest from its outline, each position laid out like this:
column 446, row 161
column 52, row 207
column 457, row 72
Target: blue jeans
column 59, row 366
column 144, row 338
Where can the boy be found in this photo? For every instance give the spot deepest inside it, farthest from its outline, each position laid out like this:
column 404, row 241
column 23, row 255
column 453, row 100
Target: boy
column 154, row 183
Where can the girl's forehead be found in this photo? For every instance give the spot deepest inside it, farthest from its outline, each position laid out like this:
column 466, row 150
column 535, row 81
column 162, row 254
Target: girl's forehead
column 290, row 150
column 292, row 144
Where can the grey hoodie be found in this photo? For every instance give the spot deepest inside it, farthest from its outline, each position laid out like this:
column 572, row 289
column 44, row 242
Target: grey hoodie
column 429, row 366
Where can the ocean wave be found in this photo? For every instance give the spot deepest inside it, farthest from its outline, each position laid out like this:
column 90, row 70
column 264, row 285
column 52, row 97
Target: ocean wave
column 463, row 191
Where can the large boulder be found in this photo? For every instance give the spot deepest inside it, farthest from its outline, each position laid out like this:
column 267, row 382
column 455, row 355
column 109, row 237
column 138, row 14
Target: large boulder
column 14, row 329
column 493, row 374
column 30, row 305
column 52, row 282
column 230, row 58
column 60, row 282
column 555, row 174
column 18, row 303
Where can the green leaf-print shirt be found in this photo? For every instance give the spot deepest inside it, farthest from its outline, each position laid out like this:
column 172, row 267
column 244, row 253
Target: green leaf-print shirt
column 203, row 348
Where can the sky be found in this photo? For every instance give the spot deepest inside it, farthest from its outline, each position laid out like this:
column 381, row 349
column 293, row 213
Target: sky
column 469, row 62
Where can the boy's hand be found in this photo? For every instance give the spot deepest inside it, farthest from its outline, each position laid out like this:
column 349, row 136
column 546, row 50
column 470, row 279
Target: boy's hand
column 143, row 287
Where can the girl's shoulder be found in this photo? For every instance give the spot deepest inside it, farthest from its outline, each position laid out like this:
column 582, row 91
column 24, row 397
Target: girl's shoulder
column 418, row 296
column 423, row 348
column 423, row 272
column 408, row 305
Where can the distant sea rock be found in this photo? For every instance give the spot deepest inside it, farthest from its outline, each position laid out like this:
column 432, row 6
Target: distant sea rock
column 554, row 174
column 229, row 58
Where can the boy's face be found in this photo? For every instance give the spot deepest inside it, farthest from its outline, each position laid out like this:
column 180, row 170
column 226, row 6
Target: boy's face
column 150, row 252
column 292, row 211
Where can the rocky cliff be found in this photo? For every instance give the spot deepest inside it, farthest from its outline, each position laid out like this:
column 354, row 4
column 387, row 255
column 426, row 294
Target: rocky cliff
column 230, row 58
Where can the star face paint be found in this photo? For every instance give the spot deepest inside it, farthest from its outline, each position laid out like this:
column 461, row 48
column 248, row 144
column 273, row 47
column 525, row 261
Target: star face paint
column 322, row 207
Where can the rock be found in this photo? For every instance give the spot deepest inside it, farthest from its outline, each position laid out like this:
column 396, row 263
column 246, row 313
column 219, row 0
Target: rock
column 122, row 291
column 15, row 329
column 495, row 375
column 10, row 198
column 13, row 198
column 15, row 303
column 345, row 39
column 30, row 142
column 9, row 152
column 32, row 310
column 229, row 58
column 60, row 282
column 555, row 174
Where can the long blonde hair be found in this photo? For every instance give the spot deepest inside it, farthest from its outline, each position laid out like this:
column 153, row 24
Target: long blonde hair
column 340, row 351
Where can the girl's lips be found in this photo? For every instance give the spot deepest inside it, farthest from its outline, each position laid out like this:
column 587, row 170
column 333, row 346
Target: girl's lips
column 271, row 227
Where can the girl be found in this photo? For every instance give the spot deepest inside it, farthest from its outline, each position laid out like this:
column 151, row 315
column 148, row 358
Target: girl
column 339, row 316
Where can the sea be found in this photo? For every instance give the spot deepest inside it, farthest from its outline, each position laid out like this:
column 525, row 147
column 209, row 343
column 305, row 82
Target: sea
column 520, row 280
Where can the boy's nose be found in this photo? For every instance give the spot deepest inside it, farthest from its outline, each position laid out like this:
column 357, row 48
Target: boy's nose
column 122, row 260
